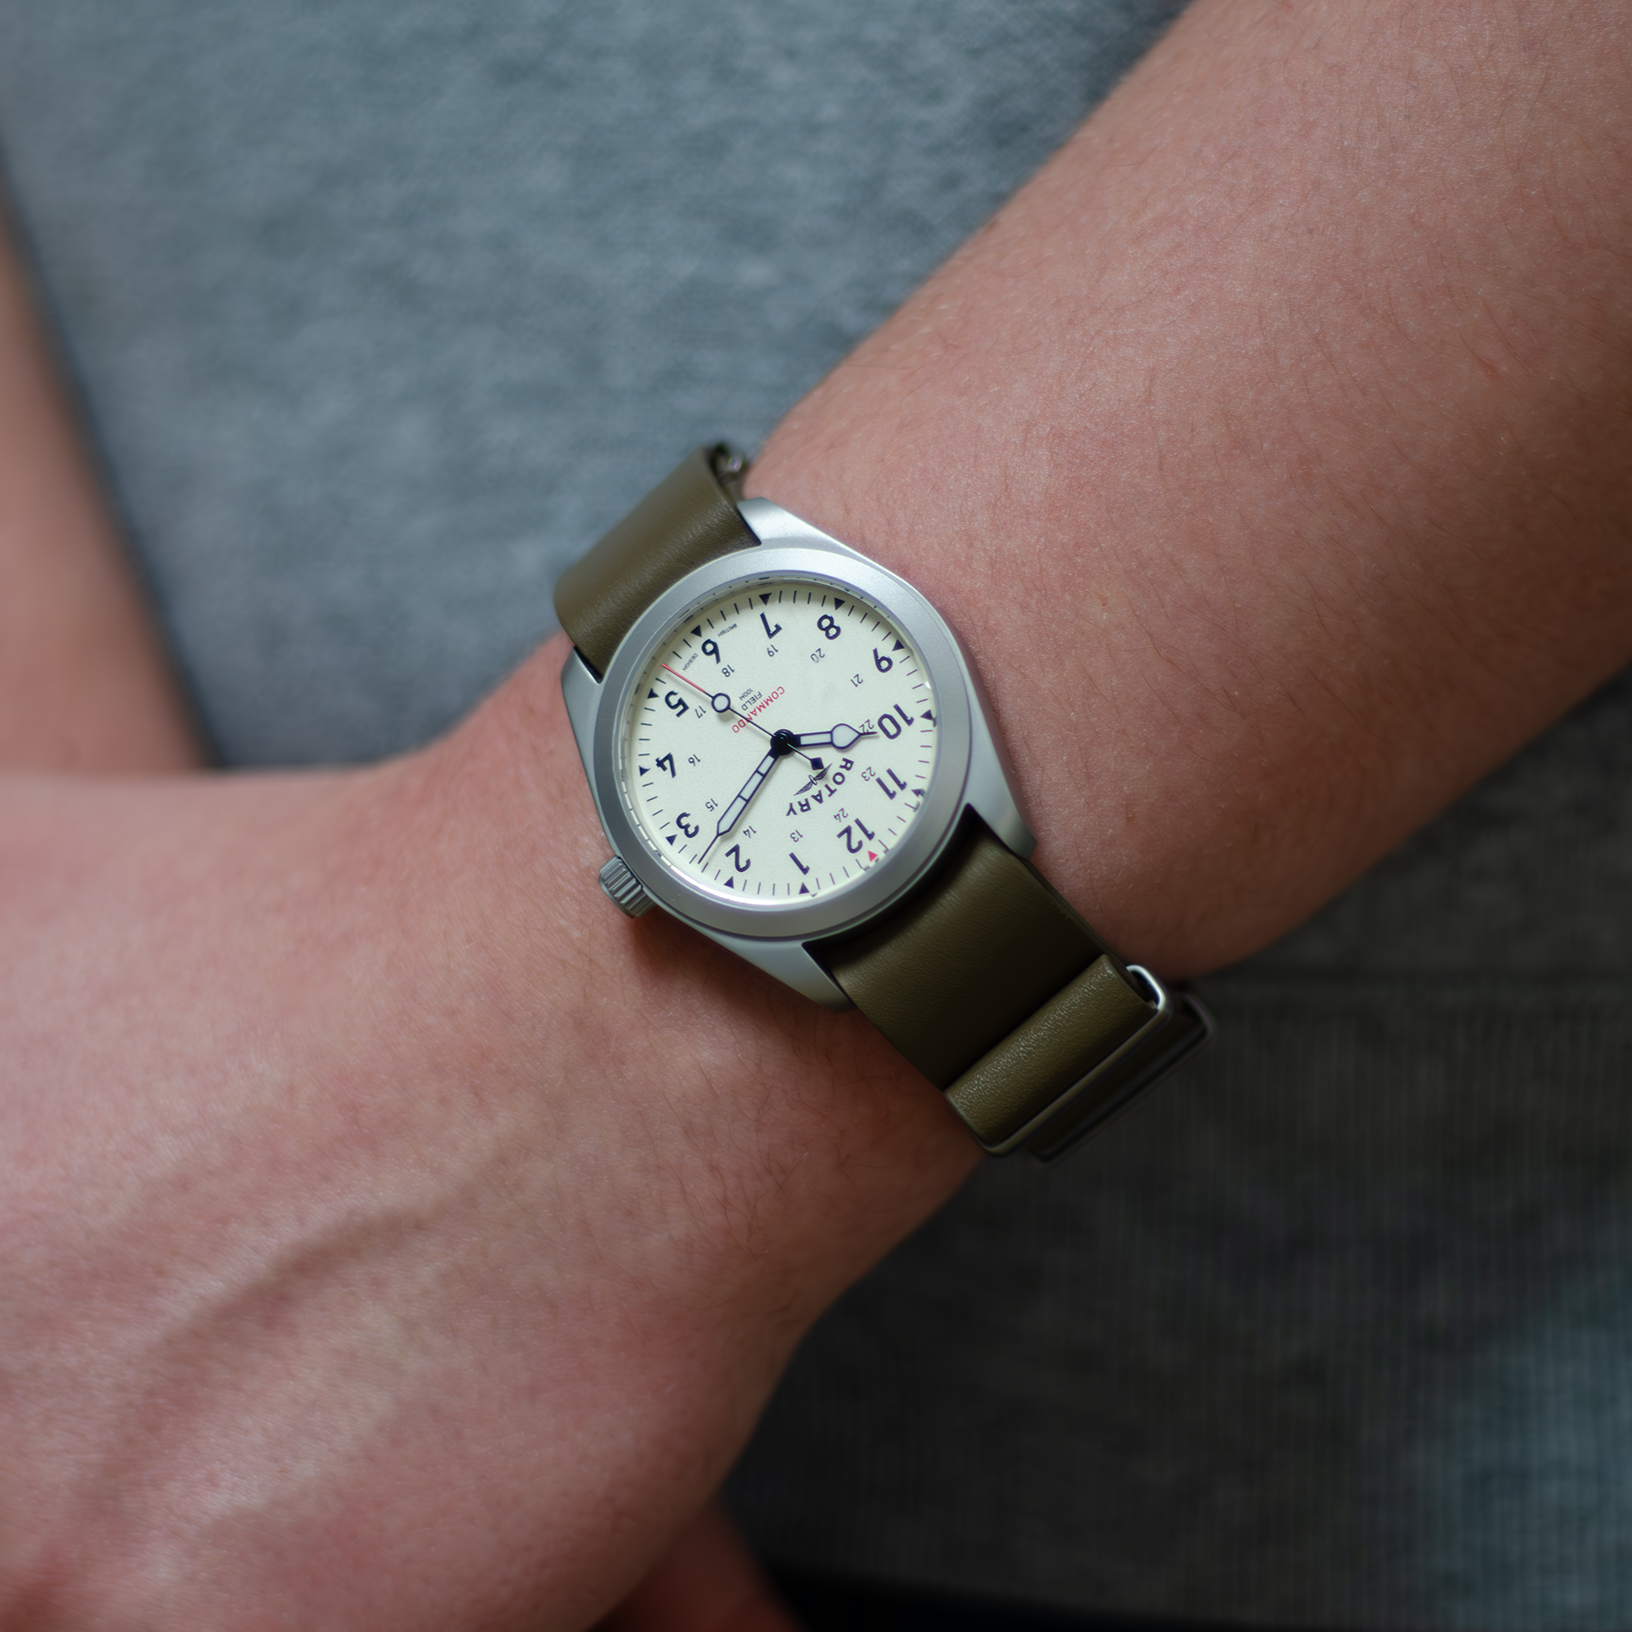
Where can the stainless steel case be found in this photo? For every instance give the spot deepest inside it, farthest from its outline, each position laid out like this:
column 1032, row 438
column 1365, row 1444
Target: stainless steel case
column 971, row 770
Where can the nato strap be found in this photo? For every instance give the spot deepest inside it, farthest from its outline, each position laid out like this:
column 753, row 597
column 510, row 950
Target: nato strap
column 985, row 978
column 689, row 518
column 999, row 992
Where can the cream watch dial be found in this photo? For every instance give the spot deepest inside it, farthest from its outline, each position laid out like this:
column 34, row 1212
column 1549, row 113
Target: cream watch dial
column 779, row 741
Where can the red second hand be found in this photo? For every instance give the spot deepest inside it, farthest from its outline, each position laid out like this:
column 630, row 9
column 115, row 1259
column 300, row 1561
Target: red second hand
column 692, row 683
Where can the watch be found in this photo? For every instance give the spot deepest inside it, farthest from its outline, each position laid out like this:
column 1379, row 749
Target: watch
column 790, row 751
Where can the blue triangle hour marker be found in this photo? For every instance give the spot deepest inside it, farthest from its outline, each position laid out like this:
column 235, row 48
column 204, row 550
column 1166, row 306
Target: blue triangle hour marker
column 669, row 837
column 730, row 883
column 803, row 890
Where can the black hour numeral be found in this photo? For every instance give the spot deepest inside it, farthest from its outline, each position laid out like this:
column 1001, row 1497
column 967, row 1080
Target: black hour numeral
column 889, row 726
column 735, row 853
column 711, row 648
column 829, row 626
column 882, row 663
column 797, row 862
column 889, row 792
column 771, row 631
column 686, row 825
column 672, row 699
column 665, row 762
column 851, row 842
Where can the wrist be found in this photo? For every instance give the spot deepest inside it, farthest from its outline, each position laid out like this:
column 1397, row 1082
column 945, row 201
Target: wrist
column 531, row 1202
column 768, row 1130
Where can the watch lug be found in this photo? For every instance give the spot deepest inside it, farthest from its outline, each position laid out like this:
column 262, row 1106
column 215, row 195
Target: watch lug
column 786, row 961
column 991, row 796
column 771, row 524
column 581, row 692
column 990, row 788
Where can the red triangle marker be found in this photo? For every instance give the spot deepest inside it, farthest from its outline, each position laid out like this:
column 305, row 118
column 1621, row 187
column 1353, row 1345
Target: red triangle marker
column 871, row 856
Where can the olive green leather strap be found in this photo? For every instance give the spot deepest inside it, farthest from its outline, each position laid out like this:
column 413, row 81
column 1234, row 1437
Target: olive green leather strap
column 690, row 517
column 995, row 988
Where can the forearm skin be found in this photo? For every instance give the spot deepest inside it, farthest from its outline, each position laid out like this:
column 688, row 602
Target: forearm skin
column 1270, row 448
column 428, row 1262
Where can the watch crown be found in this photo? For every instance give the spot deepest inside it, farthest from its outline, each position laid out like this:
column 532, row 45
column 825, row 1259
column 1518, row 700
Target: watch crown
column 623, row 889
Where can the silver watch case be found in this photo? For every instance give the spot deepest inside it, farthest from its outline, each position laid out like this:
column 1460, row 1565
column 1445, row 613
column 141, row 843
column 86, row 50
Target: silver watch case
column 971, row 770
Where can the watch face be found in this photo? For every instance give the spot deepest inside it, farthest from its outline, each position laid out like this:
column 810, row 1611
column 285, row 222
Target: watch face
column 779, row 740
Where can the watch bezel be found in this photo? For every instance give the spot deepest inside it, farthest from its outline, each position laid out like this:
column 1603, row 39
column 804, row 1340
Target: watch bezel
column 830, row 563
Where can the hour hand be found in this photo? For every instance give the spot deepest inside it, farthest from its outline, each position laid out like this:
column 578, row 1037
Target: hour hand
column 840, row 737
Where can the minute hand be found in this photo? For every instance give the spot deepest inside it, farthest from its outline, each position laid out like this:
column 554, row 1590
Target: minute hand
column 733, row 811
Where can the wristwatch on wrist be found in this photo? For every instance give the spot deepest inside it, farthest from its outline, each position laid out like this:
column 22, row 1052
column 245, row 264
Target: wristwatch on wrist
column 790, row 751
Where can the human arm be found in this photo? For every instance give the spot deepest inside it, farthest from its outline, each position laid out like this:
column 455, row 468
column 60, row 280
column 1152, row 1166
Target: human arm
column 1270, row 448
column 446, row 1239
column 84, row 685
column 85, row 688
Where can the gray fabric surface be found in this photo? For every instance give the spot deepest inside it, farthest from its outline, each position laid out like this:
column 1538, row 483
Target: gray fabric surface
column 1337, row 1329
column 1335, row 1332
column 382, row 311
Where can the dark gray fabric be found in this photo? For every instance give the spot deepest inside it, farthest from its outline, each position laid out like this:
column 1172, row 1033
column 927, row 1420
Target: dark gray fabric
column 1337, row 1330
column 383, row 310
column 1335, row 1333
